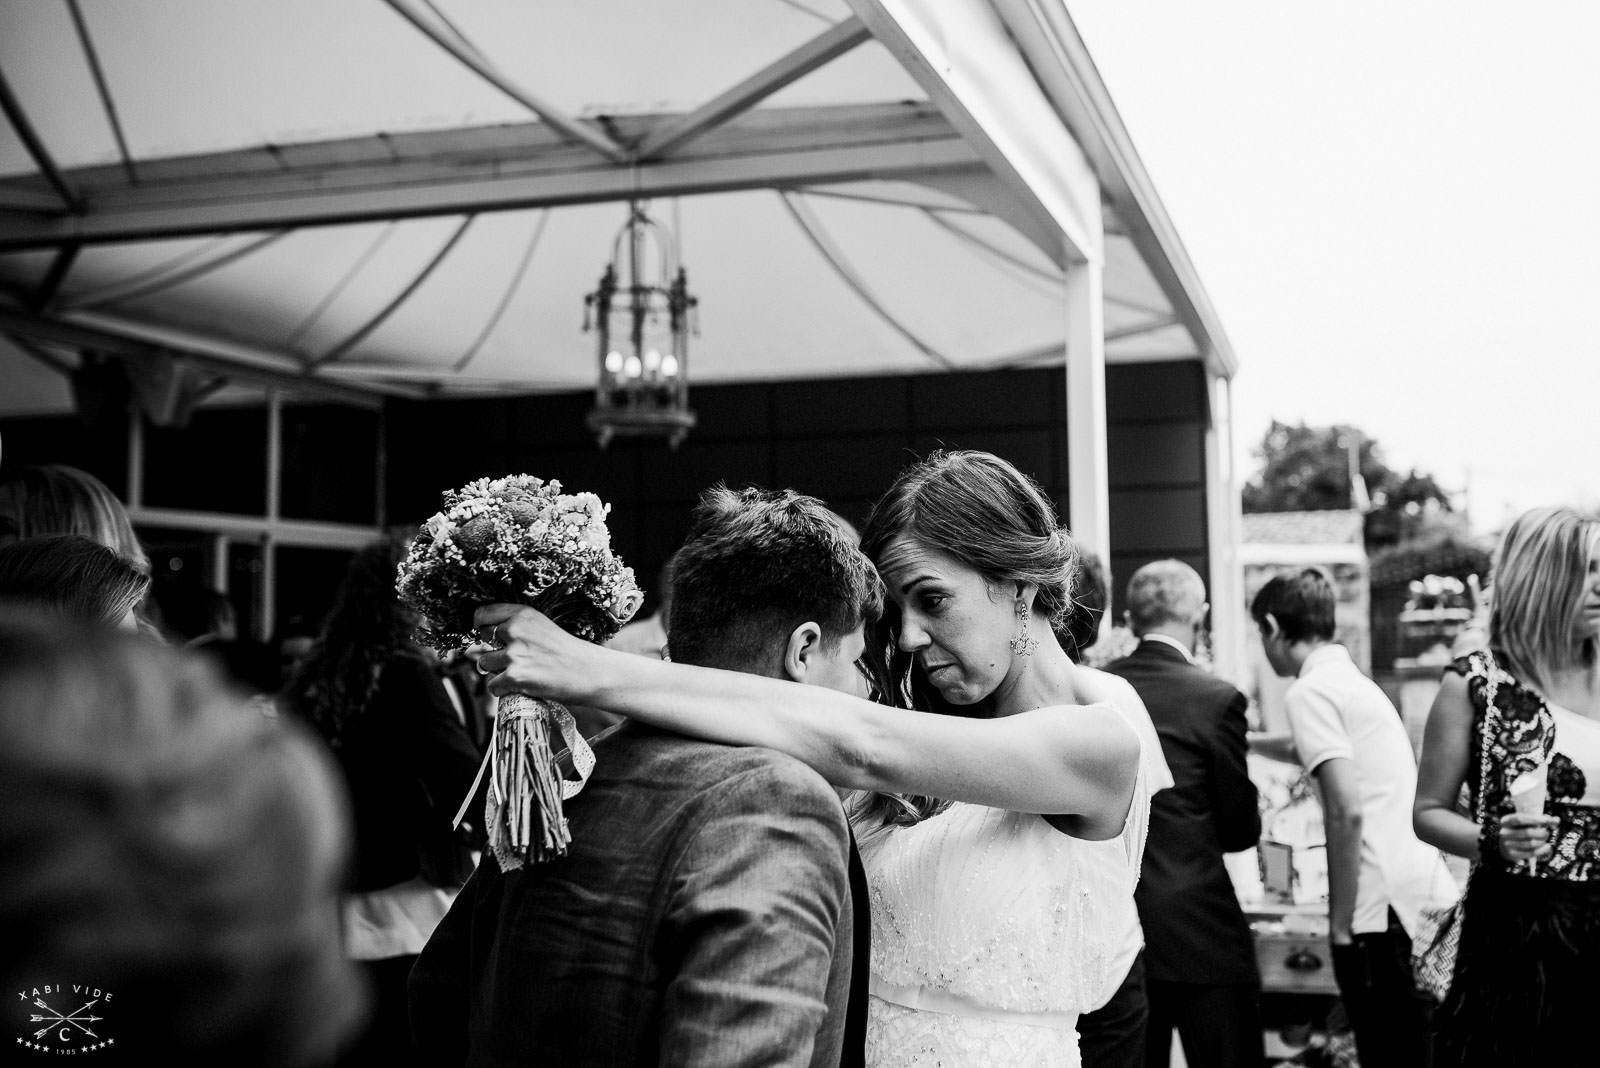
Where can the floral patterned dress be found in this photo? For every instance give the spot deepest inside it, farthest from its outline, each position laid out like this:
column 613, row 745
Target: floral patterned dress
column 1528, row 970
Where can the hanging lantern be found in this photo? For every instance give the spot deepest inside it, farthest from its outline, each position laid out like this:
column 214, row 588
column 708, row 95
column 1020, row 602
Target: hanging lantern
column 642, row 388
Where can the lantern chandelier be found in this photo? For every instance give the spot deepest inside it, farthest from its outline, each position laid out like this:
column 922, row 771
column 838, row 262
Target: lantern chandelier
column 643, row 326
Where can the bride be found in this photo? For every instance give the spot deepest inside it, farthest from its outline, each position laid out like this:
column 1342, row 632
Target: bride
column 997, row 909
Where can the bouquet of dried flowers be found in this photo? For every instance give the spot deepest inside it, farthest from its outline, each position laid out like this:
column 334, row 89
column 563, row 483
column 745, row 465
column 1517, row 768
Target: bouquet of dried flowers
column 520, row 540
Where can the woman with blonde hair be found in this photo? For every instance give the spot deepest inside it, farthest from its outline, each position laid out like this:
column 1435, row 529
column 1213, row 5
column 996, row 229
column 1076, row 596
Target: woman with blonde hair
column 57, row 499
column 1004, row 836
column 1518, row 724
column 70, row 576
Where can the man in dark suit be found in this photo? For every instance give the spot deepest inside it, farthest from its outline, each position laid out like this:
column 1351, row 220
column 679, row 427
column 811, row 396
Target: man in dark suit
column 711, row 902
column 1200, row 965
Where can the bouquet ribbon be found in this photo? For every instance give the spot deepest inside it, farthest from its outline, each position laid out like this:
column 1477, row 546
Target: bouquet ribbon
column 518, row 719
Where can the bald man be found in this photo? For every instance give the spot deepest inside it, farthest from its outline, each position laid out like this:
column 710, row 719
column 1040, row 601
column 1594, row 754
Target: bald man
column 1200, row 965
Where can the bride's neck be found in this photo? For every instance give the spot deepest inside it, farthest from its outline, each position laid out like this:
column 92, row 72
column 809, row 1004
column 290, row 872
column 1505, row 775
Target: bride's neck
column 1043, row 679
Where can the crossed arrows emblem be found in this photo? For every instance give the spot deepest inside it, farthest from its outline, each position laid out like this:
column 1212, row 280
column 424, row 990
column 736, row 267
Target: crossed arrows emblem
column 76, row 1018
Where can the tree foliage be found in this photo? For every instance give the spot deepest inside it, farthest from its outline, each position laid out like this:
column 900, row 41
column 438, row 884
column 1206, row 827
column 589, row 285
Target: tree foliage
column 1307, row 468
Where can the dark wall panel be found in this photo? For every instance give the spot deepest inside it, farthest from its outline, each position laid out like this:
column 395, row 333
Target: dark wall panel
column 1016, row 398
column 218, row 463
column 333, row 452
column 1036, row 451
column 1159, row 520
column 831, row 406
column 680, row 476
column 99, row 447
column 1156, row 418
column 828, row 467
column 733, row 411
column 842, row 440
column 1147, row 454
column 1155, row 392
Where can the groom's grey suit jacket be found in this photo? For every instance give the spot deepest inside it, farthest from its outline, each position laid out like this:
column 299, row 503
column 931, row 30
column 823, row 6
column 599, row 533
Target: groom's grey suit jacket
column 701, row 917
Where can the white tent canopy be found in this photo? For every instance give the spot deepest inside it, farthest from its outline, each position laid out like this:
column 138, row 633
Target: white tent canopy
column 412, row 197
column 261, row 181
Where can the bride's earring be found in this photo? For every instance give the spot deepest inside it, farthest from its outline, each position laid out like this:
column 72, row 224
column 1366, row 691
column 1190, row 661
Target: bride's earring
column 1021, row 643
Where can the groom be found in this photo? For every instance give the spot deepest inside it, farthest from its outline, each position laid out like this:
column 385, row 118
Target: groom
column 711, row 904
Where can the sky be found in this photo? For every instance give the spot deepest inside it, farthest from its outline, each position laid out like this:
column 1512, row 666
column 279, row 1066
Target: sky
column 1395, row 209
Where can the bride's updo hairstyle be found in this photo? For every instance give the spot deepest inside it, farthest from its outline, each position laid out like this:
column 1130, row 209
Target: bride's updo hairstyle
column 996, row 520
column 985, row 513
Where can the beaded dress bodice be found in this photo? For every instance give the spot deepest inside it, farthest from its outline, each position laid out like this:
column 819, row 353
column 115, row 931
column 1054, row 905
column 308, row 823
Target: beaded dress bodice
column 1006, row 928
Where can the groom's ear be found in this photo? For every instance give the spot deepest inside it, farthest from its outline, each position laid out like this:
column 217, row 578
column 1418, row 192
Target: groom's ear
column 804, row 643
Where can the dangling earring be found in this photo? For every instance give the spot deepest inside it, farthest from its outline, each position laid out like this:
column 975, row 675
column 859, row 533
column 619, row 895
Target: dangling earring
column 1021, row 644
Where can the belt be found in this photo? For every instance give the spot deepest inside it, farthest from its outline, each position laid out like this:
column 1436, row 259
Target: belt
column 927, row 999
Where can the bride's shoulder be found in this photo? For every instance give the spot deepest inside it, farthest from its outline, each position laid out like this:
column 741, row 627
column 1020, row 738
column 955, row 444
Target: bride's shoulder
column 1094, row 686
column 1103, row 718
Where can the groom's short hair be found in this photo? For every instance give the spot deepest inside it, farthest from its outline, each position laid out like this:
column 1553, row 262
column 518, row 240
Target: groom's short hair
column 757, row 563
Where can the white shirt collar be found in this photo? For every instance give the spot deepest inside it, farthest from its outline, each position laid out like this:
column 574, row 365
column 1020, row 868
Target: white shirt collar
column 1324, row 654
column 1168, row 640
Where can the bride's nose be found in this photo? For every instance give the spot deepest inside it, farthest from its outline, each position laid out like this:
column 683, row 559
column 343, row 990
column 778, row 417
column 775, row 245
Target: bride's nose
column 911, row 637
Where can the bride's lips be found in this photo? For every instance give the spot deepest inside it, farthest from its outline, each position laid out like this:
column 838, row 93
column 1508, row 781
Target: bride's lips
column 932, row 670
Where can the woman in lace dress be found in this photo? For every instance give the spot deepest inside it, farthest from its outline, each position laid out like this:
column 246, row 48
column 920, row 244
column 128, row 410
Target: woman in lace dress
column 1519, row 724
column 997, row 912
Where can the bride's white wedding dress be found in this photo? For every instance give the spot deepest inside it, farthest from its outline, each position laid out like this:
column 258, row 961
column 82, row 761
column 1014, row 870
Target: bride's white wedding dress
column 991, row 932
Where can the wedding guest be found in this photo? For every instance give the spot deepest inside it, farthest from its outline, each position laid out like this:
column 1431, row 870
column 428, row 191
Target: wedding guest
column 706, row 912
column 57, row 499
column 170, row 854
column 1114, row 1035
column 1518, row 724
column 1091, row 596
column 67, row 575
column 1200, row 958
column 998, row 911
column 407, row 761
column 1380, row 876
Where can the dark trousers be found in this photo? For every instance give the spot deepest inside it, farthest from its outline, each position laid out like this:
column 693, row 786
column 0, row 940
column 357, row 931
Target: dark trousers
column 1390, row 1017
column 1220, row 1026
column 1112, row 1036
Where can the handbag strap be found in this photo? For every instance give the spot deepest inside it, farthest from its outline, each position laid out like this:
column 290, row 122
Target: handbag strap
column 1491, row 688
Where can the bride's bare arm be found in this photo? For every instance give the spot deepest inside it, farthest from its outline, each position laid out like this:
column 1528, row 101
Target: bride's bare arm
column 1079, row 761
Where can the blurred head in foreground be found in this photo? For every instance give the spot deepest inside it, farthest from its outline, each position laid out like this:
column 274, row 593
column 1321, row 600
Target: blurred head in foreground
column 166, row 842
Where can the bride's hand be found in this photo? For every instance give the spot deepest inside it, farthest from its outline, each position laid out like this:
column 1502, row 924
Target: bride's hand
column 533, row 655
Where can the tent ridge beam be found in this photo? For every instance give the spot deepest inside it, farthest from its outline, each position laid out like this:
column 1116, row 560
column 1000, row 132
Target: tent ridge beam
column 244, row 204
column 817, row 52
column 569, row 127
column 315, row 166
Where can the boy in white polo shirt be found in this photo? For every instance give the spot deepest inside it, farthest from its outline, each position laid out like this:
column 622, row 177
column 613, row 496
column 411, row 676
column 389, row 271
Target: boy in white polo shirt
column 1351, row 739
